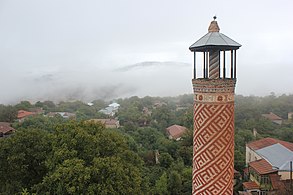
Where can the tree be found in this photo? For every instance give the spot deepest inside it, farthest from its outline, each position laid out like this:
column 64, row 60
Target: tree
column 87, row 159
column 239, row 160
column 174, row 183
column 83, row 110
column 169, row 146
column 162, row 185
column 165, row 116
column 286, row 134
column 242, row 137
column 187, row 118
column 109, row 175
column 112, row 175
column 22, row 159
column 84, row 140
column 99, row 104
column 70, row 177
column 185, row 152
column 165, row 160
column 186, row 99
column 24, row 105
column 7, row 113
column 186, row 176
column 41, row 122
column 148, row 137
column 46, row 105
column 129, row 113
column 153, row 173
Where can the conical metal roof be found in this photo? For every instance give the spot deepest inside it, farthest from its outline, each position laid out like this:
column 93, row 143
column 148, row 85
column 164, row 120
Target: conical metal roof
column 214, row 40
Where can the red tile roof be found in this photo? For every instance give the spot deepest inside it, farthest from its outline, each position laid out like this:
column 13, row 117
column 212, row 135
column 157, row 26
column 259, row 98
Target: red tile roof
column 5, row 124
column 262, row 167
column 277, row 184
column 251, row 185
column 265, row 142
column 5, row 128
column 176, row 131
column 22, row 113
column 271, row 116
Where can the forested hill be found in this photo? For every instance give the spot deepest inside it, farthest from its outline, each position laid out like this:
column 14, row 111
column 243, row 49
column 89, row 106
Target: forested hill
column 54, row 155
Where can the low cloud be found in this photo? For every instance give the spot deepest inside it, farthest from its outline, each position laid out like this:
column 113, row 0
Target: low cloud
column 151, row 64
column 140, row 79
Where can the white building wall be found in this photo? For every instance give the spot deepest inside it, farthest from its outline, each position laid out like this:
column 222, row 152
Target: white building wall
column 251, row 155
column 284, row 175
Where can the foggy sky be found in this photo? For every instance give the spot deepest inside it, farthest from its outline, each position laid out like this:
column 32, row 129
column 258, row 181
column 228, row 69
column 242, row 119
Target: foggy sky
column 91, row 49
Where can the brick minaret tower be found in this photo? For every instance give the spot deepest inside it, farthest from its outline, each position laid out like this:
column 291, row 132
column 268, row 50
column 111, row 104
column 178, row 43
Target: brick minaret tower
column 213, row 137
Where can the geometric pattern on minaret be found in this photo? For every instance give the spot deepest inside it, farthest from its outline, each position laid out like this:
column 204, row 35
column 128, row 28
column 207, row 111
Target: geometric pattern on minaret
column 213, row 160
column 213, row 117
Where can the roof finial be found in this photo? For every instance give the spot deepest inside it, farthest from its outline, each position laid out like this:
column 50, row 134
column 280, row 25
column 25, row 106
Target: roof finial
column 214, row 25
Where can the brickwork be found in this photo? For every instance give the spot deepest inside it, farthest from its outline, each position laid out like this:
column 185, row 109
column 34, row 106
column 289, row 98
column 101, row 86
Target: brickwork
column 213, row 139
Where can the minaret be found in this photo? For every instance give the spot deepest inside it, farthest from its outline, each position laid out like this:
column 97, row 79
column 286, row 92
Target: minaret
column 213, row 137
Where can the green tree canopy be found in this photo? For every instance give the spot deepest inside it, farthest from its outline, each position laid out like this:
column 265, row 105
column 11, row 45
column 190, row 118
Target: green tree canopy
column 22, row 159
column 8, row 113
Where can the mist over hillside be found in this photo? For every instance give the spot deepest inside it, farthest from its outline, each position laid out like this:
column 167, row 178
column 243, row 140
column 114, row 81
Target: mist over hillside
column 140, row 79
column 148, row 78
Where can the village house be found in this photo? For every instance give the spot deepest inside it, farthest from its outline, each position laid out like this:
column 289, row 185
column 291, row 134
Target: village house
column 23, row 114
column 111, row 109
column 273, row 117
column 90, row 104
column 175, row 132
column 114, row 105
column 263, row 178
column 109, row 123
column 250, row 188
column 268, row 166
column 5, row 129
column 108, row 111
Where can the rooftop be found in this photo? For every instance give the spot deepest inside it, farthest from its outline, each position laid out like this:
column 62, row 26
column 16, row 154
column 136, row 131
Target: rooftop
column 262, row 167
column 176, row 131
column 115, row 105
column 265, row 142
column 108, row 110
column 271, row 116
column 276, row 181
column 23, row 113
column 251, row 185
column 214, row 40
column 278, row 156
column 5, row 128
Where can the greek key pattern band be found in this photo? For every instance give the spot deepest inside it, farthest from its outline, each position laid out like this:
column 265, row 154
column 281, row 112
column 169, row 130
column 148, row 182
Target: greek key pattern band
column 213, row 138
